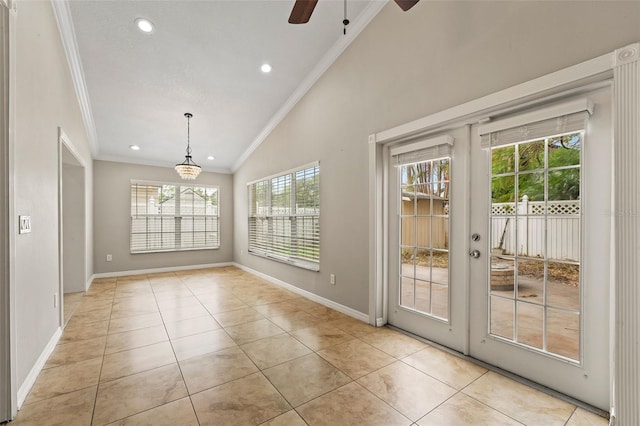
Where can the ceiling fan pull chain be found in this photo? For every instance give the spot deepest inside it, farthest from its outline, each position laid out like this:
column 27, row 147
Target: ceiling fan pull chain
column 345, row 21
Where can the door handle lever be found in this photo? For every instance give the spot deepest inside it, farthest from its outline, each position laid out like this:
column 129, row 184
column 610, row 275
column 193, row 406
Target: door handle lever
column 474, row 253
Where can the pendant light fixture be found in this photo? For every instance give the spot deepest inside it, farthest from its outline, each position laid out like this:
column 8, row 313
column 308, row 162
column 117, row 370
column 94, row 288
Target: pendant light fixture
column 188, row 169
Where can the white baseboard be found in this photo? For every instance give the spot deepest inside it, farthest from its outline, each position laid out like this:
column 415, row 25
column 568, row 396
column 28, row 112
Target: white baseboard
column 380, row 322
column 158, row 270
column 26, row 386
column 326, row 302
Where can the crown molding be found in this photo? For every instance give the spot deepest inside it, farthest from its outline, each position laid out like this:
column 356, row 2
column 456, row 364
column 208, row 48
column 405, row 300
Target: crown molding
column 157, row 163
column 327, row 60
column 68, row 36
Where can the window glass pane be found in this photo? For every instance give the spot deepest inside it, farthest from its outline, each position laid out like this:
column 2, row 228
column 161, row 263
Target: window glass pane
column 503, row 160
column 565, row 150
column 529, row 322
column 531, row 156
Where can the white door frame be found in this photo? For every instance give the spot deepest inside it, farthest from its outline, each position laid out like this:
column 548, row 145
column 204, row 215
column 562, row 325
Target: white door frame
column 8, row 386
column 622, row 67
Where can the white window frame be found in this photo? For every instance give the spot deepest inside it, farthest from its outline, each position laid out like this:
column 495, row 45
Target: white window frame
column 265, row 247
column 177, row 216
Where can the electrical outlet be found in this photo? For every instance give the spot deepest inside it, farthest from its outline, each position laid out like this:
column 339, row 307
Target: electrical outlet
column 332, row 279
column 109, row 258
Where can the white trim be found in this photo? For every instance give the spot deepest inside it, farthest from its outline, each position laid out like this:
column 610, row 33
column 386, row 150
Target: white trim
column 175, row 183
column 381, row 322
column 157, row 163
column 565, row 108
column 62, row 13
column 26, row 386
column 157, row 270
column 326, row 302
column 327, row 60
column 427, row 143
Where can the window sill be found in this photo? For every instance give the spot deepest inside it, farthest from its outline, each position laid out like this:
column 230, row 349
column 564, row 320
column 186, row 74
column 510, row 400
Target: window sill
column 311, row 266
column 174, row 250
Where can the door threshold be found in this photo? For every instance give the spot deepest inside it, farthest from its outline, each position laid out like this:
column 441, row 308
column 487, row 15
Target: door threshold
column 512, row 376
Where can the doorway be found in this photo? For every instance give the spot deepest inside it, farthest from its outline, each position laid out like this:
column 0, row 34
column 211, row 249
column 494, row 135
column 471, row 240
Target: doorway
column 73, row 270
column 499, row 241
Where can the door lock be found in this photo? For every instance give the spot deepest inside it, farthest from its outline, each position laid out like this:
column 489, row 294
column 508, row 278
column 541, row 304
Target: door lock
column 474, row 253
column 475, row 237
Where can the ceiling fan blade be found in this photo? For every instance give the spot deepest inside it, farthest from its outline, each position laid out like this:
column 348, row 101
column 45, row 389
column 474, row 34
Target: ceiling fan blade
column 406, row 4
column 302, row 11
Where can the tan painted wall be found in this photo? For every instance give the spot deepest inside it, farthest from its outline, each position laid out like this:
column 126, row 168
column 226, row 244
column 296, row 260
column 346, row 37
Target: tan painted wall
column 112, row 206
column 404, row 66
column 45, row 100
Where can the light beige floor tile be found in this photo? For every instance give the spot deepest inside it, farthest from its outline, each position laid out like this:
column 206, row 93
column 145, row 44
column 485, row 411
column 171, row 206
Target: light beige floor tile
column 123, row 308
column 252, row 331
column 305, row 378
column 137, row 393
column 224, row 305
column 178, row 412
column 406, row 389
column 350, row 405
column 295, row 320
column 93, row 315
column 177, row 293
column 191, row 326
column 326, row 314
column 239, row 316
column 92, row 304
column 123, row 292
column 201, row 344
column 125, row 363
column 74, row 408
column 67, row 353
column 120, row 325
column 75, row 332
column 290, row 418
column 304, row 304
column 275, row 350
column 461, row 410
column 582, row 417
column 135, row 339
column 184, row 313
column 394, row 343
column 59, row 380
column 445, row 367
column 216, row 368
column 356, row 358
column 276, row 309
column 173, row 302
column 518, row 401
column 248, row 401
column 321, row 337
column 352, row 326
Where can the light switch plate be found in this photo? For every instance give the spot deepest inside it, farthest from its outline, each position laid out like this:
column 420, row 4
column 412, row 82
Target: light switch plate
column 24, row 224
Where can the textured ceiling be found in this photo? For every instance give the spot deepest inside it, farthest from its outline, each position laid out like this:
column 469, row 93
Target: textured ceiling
column 204, row 57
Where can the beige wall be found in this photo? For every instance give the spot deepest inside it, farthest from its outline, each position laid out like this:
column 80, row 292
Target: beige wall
column 45, row 100
column 404, row 66
column 112, row 206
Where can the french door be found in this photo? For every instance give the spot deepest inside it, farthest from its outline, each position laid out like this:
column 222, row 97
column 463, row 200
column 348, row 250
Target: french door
column 521, row 278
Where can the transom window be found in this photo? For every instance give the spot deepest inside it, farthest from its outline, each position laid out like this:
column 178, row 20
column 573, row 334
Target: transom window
column 284, row 217
column 170, row 217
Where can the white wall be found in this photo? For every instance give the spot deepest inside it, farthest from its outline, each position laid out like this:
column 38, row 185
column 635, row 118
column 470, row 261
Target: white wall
column 112, row 207
column 404, row 66
column 45, row 100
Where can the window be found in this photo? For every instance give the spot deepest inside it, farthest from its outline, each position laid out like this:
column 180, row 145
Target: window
column 166, row 217
column 284, row 217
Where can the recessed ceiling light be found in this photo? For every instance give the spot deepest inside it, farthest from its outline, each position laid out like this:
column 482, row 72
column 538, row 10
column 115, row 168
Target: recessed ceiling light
column 144, row 25
column 134, row 147
column 211, row 157
column 266, row 68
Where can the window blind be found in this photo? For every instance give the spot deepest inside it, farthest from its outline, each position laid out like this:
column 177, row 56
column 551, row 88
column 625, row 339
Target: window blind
column 551, row 121
column 284, row 217
column 167, row 217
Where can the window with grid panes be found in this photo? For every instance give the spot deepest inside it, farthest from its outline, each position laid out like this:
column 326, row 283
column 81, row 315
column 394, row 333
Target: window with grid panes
column 284, row 217
column 170, row 217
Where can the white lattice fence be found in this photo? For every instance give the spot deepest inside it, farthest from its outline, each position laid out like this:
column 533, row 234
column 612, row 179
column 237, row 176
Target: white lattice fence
column 562, row 223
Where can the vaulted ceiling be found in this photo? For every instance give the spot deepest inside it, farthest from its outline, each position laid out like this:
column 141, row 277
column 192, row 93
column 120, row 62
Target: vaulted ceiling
column 202, row 57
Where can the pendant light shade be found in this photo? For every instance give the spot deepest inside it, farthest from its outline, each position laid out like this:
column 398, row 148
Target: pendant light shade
column 188, row 169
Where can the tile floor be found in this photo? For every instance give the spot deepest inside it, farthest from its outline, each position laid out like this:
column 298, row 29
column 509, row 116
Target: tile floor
column 220, row 346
